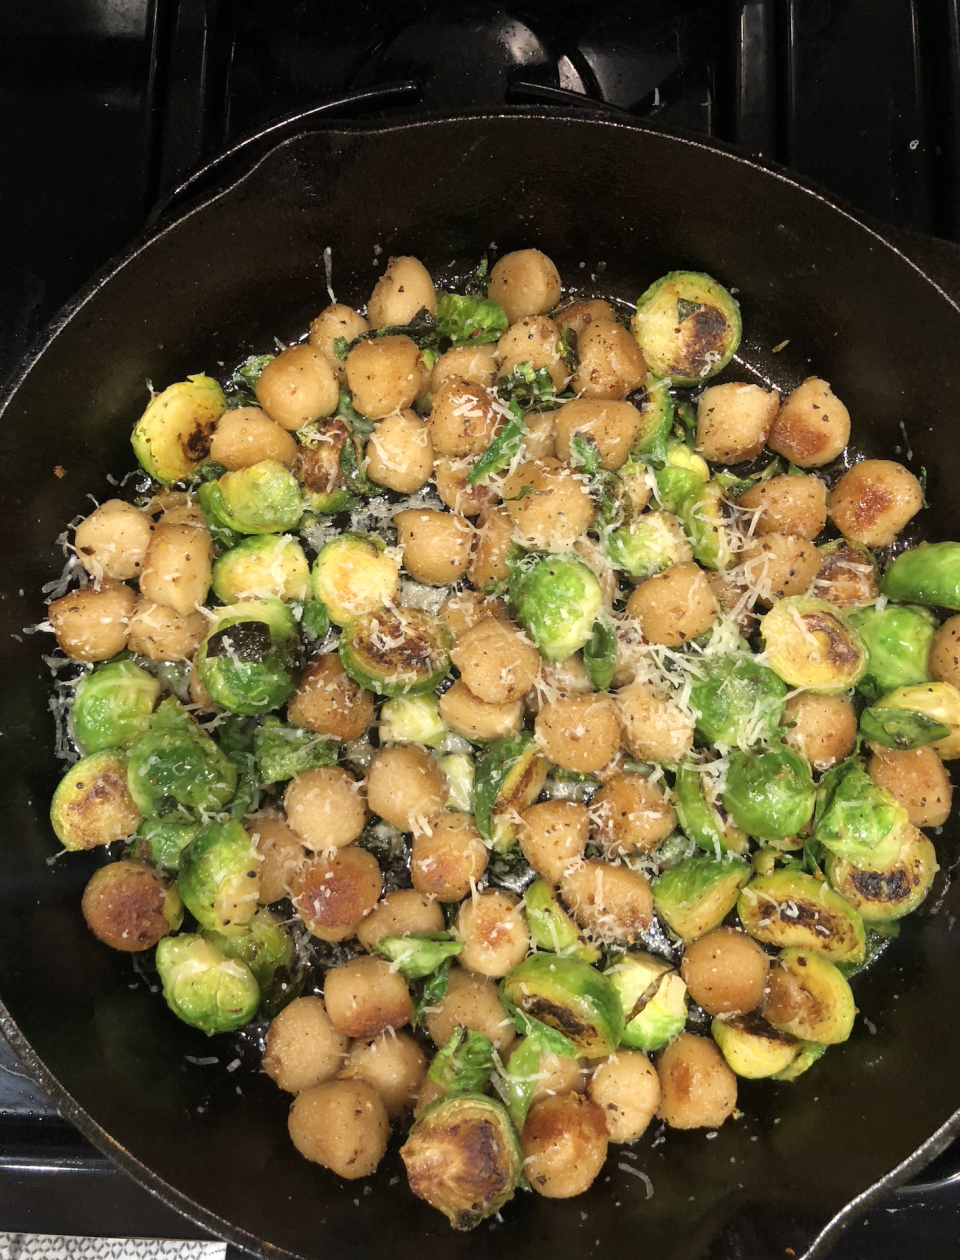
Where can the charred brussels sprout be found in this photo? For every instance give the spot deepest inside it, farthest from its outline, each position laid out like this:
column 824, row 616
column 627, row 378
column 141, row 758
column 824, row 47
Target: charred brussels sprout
column 653, row 998
column 858, row 820
column 250, row 660
column 203, row 988
column 176, row 763
column 700, row 819
column 688, row 327
column 683, row 475
column 938, row 702
column 112, row 706
column 709, row 519
column 262, row 499
column 739, row 701
column 463, row 1158
column 571, row 997
column 167, row 838
column 551, row 928
column 354, row 575
column 898, row 640
column 281, row 751
column 558, row 600
column 752, row 1047
column 812, row 644
column 412, row 720
column 649, row 544
column 697, row 893
column 172, row 437
column 893, row 891
column 272, row 567
column 770, row 794
column 92, row 804
column 508, row 778
column 219, row 878
column 849, row 576
column 808, row 997
column 396, row 651
column 267, row 949
column 790, row 908
column 928, row 574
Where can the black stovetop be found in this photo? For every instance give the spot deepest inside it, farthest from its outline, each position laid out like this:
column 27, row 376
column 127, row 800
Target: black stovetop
column 106, row 105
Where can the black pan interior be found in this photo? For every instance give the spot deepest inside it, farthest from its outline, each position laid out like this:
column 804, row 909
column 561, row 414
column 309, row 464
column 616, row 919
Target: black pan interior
column 617, row 203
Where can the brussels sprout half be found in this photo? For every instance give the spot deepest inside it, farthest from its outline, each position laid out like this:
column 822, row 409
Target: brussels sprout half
column 463, row 1158
column 938, row 701
column 653, row 998
column 790, row 908
column 700, row 819
column 698, row 892
column 709, row 519
column 353, row 575
column 267, row 949
column 176, row 763
column 814, row 645
column 752, row 1047
column 770, row 794
column 396, row 651
column 683, row 475
column 688, row 326
column 738, row 701
column 219, row 879
column 898, row 640
column 249, row 661
column 551, row 928
column 856, row 819
column 92, row 804
column 569, row 996
column 262, row 567
column 808, row 997
column 264, row 498
column 508, row 778
column 412, row 720
column 557, row 601
column 848, row 576
column 649, row 544
column 202, row 987
column 282, row 751
column 895, row 890
column 172, row 437
column 928, row 574
column 112, row 706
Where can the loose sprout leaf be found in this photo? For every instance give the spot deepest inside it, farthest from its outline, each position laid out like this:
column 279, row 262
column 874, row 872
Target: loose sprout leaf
column 351, row 469
column 240, row 389
column 531, row 388
column 584, row 453
column 901, row 728
column 353, row 419
column 740, row 485
column 600, row 654
column 418, row 954
column 282, row 752
column 470, row 320
column 686, row 423
column 476, row 286
column 210, row 470
column 794, row 471
column 341, row 347
column 569, row 351
column 499, row 454
column 422, row 329
column 876, row 942
column 314, row 622
column 517, row 1082
column 464, row 1063
column 686, row 308
column 433, row 991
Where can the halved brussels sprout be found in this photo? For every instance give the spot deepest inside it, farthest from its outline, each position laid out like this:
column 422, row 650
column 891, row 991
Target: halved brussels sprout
column 656, row 415
column 653, row 998
column 464, row 1063
column 282, row 751
column 176, row 763
column 202, row 987
column 470, row 320
column 264, row 498
column 893, row 891
column 848, row 576
column 569, row 996
column 112, row 706
column 412, row 720
column 898, row 640
column 551, row 928
column 937, row 700
column 699, row 817
column 857, row 819
column 172, row 437
column 167, row 838
column 324, row 451
column 262, row 567
column 354, row 575
column 808, row 997
column 814, row 645
column 508, row 778
column 92, row 804
column 806, row 1056
column 900, row 728
column 249, row 661
column 458, row 770
column 790, row 908
column 684, row 473
column 770, row 794
column 463, row 1158
column 710, row 521
column 752, row 1047
column 698, row 893
column 557, row 600
column 417, row 954
column 928, row 574
column 738, row 700
column 219, row 877
column 396, row 651
column 688, row 326
column 649, row 544
column 268, row 950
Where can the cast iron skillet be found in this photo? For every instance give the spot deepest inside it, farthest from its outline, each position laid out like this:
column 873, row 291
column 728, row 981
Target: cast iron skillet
column 624, row 203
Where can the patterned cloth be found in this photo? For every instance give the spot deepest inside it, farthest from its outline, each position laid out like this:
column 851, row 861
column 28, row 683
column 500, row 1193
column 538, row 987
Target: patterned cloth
column 63, row 1247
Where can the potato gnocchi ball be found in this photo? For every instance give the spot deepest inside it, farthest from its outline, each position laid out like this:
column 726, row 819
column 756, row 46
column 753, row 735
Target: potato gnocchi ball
column 470, row 1002
column 725, row 972
column 556, row 1074
column 579, row 733
column 435, row 545
column 611, row 362
column 674, row 606
column 112, row 541
column 130, row 906
column 919, row 781
column 342, row 1125
column 564, row 1143
column 325, row 807
column 163, row 634
column 821, row 728
column 394, row 1065
column 631, row 815
column 450, row 476
column 534, row 340
column 298, row 386
column 627, row 1090
column 177, row 567
column 610, row 902
column 734, row 420
column 404, row 289
column 553, row 836
column 366, row 996
column 654, row 729
column 493, row 929
column 335, row 892
column 328, row 702
column 385, row 374
column 524, row 282
column 467, row 609
column 788, row 505
column 496, row 661
column 812, row 426
column 281, row 852
column 561, row 678
column 400, row 912
column 405, row 786
column 449, row 858
column 92, row 623
column 333, row 322
column 303, row 1048
column 540, row 435
column 475, row 364
column 491, row 542
column 779, row 566
column 464, row 418
column 473, row 718
column 245, row 436
column 699, row 1091
column 548, row 502
column 611, row 426
column 944, row 660
column 874, row 500
column 399, row 453
column 580, row 315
